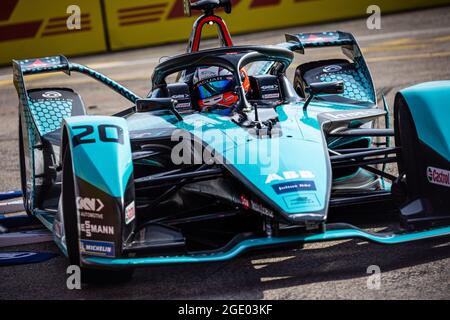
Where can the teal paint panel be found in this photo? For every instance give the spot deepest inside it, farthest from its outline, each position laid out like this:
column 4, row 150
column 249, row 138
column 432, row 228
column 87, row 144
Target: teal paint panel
column 429, row 104
column 104, row 164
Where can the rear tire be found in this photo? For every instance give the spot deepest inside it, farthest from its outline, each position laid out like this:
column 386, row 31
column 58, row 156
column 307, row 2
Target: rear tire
column 71, row 232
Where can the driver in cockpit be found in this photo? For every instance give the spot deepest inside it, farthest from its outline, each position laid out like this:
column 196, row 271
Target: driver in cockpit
column 215, row 89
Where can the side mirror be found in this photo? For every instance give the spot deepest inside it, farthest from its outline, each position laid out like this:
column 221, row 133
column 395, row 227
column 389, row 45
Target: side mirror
column 323, row 88
column 156, row 104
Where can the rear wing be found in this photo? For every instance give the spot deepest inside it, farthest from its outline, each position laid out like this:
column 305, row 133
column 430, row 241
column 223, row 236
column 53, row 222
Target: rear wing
column 320, row 39
column 42, row 116
column 61, row 64
column 42, row 65
column 346, row 41
column 34, row 66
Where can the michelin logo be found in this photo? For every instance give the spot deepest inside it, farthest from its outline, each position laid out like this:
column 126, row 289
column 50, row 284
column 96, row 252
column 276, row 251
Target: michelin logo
column 97, row 248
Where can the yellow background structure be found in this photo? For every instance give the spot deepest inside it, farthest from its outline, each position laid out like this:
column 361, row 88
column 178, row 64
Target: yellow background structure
column 137, row 23
column 31, row 28
column 159, row 25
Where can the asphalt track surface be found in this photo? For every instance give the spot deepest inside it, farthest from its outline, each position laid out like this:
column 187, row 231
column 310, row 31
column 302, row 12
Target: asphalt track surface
column 411, row 47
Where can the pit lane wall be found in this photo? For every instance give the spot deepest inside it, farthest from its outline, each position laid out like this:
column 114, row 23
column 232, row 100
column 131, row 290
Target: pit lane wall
column 30, row 28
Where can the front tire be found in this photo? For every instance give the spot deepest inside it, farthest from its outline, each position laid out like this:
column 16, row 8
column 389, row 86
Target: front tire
column 71, row 231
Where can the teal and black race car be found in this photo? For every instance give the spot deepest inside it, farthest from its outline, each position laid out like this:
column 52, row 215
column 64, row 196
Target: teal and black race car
column 167, row 181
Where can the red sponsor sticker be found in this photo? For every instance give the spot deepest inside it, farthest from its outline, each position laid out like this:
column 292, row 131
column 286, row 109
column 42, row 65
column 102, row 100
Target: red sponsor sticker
column 438, row 176
column 245, row 202
column 130, row 213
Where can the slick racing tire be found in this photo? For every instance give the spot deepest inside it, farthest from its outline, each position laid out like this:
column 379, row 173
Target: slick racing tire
column 23, row 177
column 71, row 232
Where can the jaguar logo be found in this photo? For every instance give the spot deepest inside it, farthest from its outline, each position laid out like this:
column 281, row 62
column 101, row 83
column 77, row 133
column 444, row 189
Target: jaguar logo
column 332, row 68
column 51, row 94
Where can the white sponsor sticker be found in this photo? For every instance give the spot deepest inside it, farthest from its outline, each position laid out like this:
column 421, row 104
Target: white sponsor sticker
column 332, row 68
column 130, row 213
column 288, row 175
column 51, row 94
column 270, row 87
column 89, row 204
column 351, row 114
column 271, row 96
column 438, row 176
column 89, row 228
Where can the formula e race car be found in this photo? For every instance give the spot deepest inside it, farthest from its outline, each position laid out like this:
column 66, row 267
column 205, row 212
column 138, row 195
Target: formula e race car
column 182, row 176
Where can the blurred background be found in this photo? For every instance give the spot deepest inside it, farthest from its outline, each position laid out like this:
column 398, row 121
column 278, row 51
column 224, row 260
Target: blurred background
column 35, row 28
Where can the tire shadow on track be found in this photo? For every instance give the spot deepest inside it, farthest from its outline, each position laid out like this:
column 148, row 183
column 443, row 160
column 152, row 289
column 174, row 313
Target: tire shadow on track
column 321, row 270
column 250, row 275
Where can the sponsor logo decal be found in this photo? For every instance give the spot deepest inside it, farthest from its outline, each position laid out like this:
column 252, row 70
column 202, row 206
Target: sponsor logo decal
column 287, row 175
column 130, row 213
column 52, row 94
column 89, row 204
column 97, row 248
column 438, row 176
column 346, row 115
column 180, row 96
column 304, row 201
column 255, row 206
column 186, row 105
column 245, row 202
column 332, row 68
column 312, row 38
column 88, row 228
column 294, row 186
column 270, row 96
column 39, row 64
column 91, row 215
column 258, row 207
column 270, row 87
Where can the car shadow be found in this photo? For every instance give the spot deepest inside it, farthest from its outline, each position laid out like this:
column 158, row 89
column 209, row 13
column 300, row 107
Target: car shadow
column 250, row 275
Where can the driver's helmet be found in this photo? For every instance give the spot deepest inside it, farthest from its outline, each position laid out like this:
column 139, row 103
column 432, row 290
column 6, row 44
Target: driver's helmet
column 214, row 88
